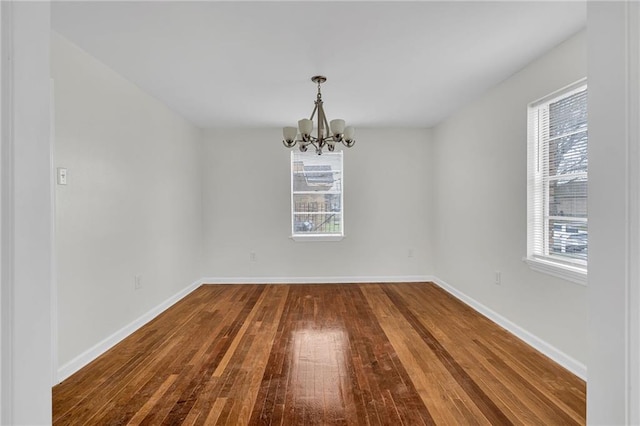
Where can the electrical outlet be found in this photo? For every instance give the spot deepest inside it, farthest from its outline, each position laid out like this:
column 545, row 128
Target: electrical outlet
column 252, row 256
column 498, row 278
column 137, row 282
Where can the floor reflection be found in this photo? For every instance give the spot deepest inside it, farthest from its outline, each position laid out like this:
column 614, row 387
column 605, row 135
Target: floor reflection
column 319, row 369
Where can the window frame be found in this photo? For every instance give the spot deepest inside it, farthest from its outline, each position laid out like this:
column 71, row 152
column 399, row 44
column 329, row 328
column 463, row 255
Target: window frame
column 539, row 258
column 309, row 237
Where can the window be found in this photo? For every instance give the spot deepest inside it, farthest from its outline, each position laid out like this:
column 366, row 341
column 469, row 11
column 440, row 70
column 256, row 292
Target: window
column 316, row 196
column 557, row 184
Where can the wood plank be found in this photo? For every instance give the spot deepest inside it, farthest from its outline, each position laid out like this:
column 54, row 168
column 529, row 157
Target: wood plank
column 151, row 402
column 500, row 363
column 446, row 399
column 333, row 354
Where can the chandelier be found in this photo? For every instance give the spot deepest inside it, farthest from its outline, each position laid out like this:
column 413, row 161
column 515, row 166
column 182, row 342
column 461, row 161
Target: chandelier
column 328, row 134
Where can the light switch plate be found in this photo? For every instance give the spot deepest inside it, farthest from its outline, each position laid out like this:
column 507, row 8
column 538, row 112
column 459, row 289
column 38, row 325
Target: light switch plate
column 62, row 176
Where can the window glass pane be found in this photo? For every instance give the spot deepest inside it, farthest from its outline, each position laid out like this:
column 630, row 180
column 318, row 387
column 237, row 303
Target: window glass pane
column 316, row 177
column 568, row 239
column 568, row 197
column 317, row 223
column 319, row 203
column 568, row 115
column 568, row 154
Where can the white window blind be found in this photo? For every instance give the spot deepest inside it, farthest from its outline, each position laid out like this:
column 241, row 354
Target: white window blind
column 316, row 195
column 558, row 178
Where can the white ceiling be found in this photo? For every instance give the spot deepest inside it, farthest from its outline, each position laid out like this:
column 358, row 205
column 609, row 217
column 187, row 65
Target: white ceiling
column 238, row 64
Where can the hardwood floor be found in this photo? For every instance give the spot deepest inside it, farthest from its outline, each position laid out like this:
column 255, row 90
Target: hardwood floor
column 379, row 354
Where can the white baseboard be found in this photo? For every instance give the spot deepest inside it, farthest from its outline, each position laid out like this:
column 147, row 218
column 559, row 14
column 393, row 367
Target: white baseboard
column 576, row 367
column 318, row 280
column 94, row 352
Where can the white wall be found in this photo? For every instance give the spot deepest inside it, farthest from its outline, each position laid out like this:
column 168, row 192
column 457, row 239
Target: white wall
column 387, row 193
column 613, row 397
column 26, row 215
column 480, row 192
column 132, row 205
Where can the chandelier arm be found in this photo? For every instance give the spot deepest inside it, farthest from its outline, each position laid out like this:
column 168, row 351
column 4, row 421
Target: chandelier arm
column 322, row 122
column 320, row 119
column 320, row 114
column 326, row 125
column 315, row 108
column 318, row 146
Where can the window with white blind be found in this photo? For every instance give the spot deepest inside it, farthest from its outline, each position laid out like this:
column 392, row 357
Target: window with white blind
column 316, row 196
column 557, row 241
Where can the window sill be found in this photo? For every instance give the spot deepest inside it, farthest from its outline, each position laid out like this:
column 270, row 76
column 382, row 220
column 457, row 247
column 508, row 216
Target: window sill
column 571, row 273
column 309, row 238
